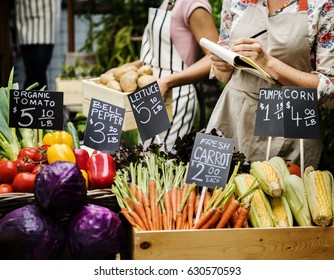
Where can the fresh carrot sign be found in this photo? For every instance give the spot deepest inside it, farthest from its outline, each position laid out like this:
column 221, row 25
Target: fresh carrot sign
column 210, row 160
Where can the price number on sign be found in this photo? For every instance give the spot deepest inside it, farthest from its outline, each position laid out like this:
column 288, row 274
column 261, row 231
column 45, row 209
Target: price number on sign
column 104, row 126
column 210, row 160
column 36, row 109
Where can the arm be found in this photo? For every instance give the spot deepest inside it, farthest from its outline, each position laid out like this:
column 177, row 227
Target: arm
column 202, row 25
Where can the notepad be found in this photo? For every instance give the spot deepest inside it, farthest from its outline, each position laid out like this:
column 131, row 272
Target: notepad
column 237, row 60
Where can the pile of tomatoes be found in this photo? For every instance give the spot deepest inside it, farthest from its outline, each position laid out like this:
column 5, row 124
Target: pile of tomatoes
column 19, row 175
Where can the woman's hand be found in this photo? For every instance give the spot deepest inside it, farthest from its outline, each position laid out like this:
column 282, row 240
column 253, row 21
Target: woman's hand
column 162, row 83
column 220, row 64
column 252, row 49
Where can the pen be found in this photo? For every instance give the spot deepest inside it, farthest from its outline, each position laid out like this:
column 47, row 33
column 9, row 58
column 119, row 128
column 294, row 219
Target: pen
column 258, row 34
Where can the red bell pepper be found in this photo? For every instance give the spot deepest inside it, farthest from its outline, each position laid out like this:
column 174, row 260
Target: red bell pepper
column 101, row 169
column 81, row 157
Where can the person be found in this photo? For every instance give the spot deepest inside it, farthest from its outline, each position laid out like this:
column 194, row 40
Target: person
column 297, row 50
column 37, row 23
column 170, row 45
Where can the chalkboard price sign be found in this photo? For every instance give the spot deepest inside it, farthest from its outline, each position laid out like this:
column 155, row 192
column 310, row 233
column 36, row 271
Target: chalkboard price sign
column 291, row 112
column 104, row 126
column 149, row 111
column 301, row 113
column 269, row 116
column 36, row 109
column 210, row 160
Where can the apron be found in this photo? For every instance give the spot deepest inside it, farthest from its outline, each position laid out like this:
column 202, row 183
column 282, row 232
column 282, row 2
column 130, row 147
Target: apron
column 159, row 51
column 235, row 111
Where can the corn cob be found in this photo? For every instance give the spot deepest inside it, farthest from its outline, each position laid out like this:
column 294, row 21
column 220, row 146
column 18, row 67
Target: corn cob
column 271, row 181
column 281, row 211
column 319, row 185
column 260, row 214
column 295, row 194
column 280, row 167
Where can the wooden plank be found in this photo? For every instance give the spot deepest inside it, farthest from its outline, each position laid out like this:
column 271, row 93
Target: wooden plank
column 297, row 243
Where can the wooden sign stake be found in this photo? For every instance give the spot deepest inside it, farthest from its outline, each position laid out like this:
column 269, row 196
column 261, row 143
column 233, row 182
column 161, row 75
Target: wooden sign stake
column 268, row 147
column 200, row 205
column 301, row 141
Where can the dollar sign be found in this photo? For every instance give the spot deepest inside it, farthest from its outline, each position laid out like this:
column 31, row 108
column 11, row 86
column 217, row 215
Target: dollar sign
column 14, row 110
column 288, row 105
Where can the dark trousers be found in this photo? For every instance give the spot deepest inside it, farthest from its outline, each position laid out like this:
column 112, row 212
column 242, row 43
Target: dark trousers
column 36, row 59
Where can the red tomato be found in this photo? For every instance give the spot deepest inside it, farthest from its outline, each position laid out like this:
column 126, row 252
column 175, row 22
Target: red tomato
column 37, row 168
column 25, row 164
column 41, row 153
column 24, row 182
column 6, row 188
column 27, row 152
column 8, row 171
column 294, row 169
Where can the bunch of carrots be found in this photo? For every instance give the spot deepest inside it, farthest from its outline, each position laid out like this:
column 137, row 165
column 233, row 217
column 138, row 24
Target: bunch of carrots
column 153, row 195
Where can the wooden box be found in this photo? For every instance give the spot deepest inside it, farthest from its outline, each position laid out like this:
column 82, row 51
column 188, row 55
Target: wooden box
column 295, row 243
column 72, row 89
column 92, row 88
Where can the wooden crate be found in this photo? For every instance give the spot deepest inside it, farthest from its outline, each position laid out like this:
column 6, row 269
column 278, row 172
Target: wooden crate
column 93, row 89
column 295, row 243
column 72, row 89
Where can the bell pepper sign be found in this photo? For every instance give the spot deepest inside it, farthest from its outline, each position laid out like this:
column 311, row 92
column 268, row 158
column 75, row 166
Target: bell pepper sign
column 101, row 169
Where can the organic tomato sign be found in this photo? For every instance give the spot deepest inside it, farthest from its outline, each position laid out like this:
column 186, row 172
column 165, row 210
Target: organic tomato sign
column 36, row 109
column 104, row 126
column 291, row 112
column 210, row 160
column 149, row 111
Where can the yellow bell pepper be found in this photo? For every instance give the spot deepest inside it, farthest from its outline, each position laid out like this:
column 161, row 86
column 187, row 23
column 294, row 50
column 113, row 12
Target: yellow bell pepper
column 61, row 152
column 58, row 137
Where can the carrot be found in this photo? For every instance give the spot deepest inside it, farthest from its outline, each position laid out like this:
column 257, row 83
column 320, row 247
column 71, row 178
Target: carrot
column 207, row 198
column 185, row 188
column 242, row 217
column 191, row 205
column 213, row 220
column 204, row 218
column 234, row 217
column 179, row 217
column 184, row 215
column 146, row 205
column 139, row 195
column 159, row 213
column 139, row 209
column 174, row 203
column 168, row 205
column 128, row 217
column 137, row 219
column 178, row 197
column 164, row 221
column 152, row 187
column 133, row 188
column 227, row 214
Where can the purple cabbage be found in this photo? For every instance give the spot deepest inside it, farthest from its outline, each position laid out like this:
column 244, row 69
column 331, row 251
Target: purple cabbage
column 60, row 188
column 29, row 233
column 94, row 232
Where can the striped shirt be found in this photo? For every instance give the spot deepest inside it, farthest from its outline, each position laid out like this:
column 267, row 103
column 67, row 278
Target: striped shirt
column 37, row 21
